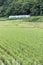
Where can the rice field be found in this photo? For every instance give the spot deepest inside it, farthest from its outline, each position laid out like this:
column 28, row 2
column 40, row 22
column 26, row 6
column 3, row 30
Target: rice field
column 21, row 43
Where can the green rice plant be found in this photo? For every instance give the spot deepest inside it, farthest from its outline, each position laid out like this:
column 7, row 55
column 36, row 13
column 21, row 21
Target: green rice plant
column 22, row 45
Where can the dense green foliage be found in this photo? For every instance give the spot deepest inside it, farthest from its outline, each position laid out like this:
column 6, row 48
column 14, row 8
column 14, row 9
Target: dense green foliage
column 25, row 45
column 19, row 7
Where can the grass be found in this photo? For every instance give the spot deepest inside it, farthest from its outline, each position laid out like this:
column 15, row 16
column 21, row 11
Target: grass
column 35, row 19
column 21, row 41
column 30, row 19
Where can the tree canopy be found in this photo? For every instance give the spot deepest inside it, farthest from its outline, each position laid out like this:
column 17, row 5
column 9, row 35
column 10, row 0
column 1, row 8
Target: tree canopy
column 21, row 7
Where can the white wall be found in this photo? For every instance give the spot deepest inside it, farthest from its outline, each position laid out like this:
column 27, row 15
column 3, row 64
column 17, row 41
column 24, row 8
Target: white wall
column 19, row 16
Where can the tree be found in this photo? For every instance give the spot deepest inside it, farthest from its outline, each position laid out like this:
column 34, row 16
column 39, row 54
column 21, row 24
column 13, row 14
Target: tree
column 20, row 7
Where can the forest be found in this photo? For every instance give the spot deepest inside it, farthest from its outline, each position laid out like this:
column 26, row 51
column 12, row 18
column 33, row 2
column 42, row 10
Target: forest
column 21, row 7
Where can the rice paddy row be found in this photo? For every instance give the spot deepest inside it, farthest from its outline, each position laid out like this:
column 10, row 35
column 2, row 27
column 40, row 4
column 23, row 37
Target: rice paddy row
column 21, row 46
